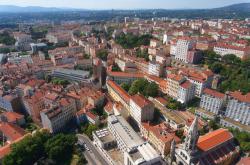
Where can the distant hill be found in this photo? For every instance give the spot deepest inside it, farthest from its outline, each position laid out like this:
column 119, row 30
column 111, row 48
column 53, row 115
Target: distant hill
column 244, row 7
column 32, row 9
column 13, row 14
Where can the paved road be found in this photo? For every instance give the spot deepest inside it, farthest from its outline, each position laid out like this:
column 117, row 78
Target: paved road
column 95, row 157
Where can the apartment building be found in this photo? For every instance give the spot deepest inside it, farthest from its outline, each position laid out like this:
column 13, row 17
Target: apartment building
column 238, row 107
column 224, row 49
column 10, row 103
column 141, row 109
column 160, row 136
column 118, row 94
column 155, row 68
column 55, row 118
column 201, row 79
column 173, row 83
column 182, row 48
column 212, row 101
column 34, row 105
column 123, row 77
column 186, row 92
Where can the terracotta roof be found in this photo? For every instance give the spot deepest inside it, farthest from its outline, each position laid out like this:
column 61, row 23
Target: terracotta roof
column 239, row 96
column 161, row 100
column 214, row 93
column 91, row 115
column 119, row 90
column 233, row 47
column 124, row 74
column 162, row 132
column 140, row 100
column 65, row 102
column 108, row 107
column 244, row 161
column 175, row 77
column 12, row 116
column 213, row 139
column 11, row 131
column 5, row 150
column 186, row 84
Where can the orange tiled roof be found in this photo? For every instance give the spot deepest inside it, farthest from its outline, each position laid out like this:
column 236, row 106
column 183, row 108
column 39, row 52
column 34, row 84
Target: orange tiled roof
column 140, row 100
column 186, row 84
column 12, row 116
column 213, row 139
column 162, row 132
column 174, row 77
column 124, row 74
column 214, row 93
column 244, row 161
column 12, row 131
column 239, row 96
column 119, row 90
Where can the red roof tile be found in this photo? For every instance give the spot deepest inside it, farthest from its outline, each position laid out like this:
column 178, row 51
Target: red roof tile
column 140, row 100
column 213, row 139
column 11, row 131
column 239, row 96
column 214, row 93
column 119, row 90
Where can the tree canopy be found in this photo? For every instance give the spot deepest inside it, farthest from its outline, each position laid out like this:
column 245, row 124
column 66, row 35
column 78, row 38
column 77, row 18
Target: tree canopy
column 235, row 73
column 144, row 87
column 40, row 145
column 28, row 150
column 7, row 39
column 102, row 54
column 243, row 138
column 129, row 41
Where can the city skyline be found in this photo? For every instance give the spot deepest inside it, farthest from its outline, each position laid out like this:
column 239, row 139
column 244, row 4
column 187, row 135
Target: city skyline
column 125, row 4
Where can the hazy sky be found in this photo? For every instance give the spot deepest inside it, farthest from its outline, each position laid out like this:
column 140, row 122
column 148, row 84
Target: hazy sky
column 123, row 4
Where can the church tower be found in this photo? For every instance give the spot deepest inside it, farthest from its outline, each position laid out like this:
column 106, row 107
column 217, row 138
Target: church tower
column 192, row 137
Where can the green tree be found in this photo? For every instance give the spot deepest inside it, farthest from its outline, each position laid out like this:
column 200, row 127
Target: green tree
column 151, row 90
column 243, row 138
column 102, row 54
column 28, row 150
column 129, row 41
column 125, row 86
column 216, row 67
column 231, row 59
column 60, row 147
column 6, row 39
column 88, row 129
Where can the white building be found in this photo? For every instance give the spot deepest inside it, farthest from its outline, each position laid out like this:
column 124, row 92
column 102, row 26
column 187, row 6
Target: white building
column 22, row 41
column 238, row 107
column 144, row 154
column 212, row 101
column 224, row 49
column 125, row 65
column 155, row 69
column 182, row 48
column 127, row 139
column 71, row 75
column 56, row 118
column 10, row 103
column 186, row 92
column 141, row 109
column 135, row 150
